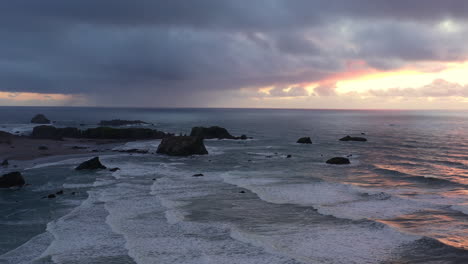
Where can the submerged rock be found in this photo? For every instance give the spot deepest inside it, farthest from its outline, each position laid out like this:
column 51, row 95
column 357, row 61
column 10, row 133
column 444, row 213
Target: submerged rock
column 51, row 196
column 40, row 119
column 198, row 175
column 92, row 164
column 5, row 163
column 43, row 148
column 119, row 122
column 214, row 132
column 182, row 146
column 59, row 192
column 349, row 138
column 304, row 140
column 12, row 179
column 338, row 161
column 114, row 169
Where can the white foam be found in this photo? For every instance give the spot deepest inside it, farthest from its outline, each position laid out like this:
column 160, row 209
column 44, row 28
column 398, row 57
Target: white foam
column 149, row 146
column 339, row 200
column 319, row 244
column 29, row 251
column 83, row 236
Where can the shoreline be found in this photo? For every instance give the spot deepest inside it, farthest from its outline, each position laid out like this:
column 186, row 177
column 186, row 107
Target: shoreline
column 23, row 152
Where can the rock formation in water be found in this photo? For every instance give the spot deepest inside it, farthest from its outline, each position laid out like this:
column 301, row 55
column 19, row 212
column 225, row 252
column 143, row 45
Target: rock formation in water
column 349, row 138
column 92, row 164
column 12, row 179
column 182, row 146
column 213, row 132
column 338, row 161
column 304, row 140
column 40, row 119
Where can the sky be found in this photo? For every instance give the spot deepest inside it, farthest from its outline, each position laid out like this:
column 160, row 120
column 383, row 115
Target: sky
column 341, row 54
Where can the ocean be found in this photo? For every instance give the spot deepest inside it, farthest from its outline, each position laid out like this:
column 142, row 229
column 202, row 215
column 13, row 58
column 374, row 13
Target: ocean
column 403, row 198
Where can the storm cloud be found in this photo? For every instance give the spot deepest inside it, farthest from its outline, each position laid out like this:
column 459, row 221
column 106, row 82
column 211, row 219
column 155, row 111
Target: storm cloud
column 176, row 53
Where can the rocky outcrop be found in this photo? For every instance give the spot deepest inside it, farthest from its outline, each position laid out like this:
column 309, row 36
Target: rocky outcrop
column 304, row 140
column 338, row 161
column 51, row 132
column 40, row 119
column 92, row 164
column 213, row 132
column 123, row 133
column 182, row 146
column 349, row 138
column 12, row 179
column 45, row 132
column 119, row 122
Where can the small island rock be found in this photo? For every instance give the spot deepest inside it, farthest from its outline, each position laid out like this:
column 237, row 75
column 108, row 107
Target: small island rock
column 338, row 161
column 304, row 140
column 40, row 119
column 12, row 179
column 349, row 138
column 182, row 146
column 92, row 164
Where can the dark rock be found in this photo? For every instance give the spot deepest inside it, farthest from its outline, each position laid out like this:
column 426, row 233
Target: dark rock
column 40, row 119
column 12, row 179
column 45, row 132
column 51, row 196
column 348, row 138
column 59, row 192
column 5, row 163
column 154, row 179
column 182, row 146
column 123, row 133
column 114, row 169
column 363, row 133
column 242, row 192
column 42, row 148
column 289, row 156
column 198, row 175
column 211, row 132
column 338, row 161
column 304, row 140
column 73, row 193
column 79, row 147
column 214, row 132
column 118, row 122
column 92, row 164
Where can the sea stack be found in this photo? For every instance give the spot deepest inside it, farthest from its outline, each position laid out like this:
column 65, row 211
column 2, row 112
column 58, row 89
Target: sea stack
column 182, row 146
column 40, row 119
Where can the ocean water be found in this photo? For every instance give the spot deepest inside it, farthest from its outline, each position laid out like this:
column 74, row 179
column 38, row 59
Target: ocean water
column 403, row 199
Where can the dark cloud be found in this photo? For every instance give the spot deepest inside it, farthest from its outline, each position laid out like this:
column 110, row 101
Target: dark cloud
column 161, row 51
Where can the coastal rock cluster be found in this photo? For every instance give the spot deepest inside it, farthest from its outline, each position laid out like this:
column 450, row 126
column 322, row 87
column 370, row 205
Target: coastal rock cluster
column 51, row 132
